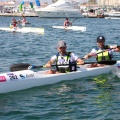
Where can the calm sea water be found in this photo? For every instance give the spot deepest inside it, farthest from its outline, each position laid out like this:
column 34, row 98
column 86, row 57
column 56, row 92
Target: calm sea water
column 88, row 98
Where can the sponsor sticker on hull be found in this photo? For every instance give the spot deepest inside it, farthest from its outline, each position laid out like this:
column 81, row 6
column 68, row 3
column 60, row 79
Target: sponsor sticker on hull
column 12, row 76
column 2, row 79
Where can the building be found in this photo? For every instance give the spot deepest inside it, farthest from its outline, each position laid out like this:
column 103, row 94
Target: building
column 109, row 2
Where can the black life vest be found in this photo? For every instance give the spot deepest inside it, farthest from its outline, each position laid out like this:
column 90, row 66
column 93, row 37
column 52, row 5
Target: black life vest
column 65, row 60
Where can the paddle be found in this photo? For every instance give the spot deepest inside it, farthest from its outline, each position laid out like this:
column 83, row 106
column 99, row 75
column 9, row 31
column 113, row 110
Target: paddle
column 74, row 20
column 24, row 66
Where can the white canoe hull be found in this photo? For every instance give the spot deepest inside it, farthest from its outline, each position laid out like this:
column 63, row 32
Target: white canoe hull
column 25, row 30
column 20, row 80
column 74, row 28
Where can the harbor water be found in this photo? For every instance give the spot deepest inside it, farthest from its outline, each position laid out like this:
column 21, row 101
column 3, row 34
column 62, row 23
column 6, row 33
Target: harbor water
column 90, row 98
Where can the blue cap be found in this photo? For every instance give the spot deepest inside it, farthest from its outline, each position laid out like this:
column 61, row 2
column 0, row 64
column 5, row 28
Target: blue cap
column 100, row 38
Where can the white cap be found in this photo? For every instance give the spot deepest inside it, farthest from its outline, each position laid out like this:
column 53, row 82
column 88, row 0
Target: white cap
column 61, row 44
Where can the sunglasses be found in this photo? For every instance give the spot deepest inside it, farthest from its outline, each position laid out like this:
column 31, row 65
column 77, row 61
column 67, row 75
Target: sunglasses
column 101, row 41
column 62, row 47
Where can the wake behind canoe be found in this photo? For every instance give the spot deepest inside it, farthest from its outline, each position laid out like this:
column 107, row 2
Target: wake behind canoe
column 20, row 80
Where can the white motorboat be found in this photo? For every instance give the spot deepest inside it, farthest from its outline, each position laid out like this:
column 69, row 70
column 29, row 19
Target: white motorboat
column 74, row 28
column 112, row 14
column 114, row 18
column 24, row 79
column 24, row 30
column 60, row 9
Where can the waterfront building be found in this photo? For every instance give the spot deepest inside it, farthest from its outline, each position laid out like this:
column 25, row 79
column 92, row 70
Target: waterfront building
column 115, row 3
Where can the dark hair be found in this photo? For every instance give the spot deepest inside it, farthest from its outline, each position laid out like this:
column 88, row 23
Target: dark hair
column 100, row 38
column 66, row 18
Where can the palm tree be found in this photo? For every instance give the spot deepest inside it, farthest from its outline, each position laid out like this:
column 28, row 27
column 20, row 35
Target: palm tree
column 53, row 1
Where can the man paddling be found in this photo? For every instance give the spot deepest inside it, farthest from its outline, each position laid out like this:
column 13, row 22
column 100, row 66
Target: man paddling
column 14, row 23
column 102, row 51
column 68, row 60
column 23, row 21
column 67, row 23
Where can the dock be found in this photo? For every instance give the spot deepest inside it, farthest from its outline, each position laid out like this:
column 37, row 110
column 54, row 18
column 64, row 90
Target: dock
column 19, row 14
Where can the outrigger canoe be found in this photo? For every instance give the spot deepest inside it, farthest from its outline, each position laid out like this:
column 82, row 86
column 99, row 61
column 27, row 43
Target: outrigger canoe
column 25, row 30
column 24, row 79
column 74, row 28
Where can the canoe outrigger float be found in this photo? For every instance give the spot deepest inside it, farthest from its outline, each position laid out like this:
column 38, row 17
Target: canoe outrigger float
column 24, row 79
column 24, row 30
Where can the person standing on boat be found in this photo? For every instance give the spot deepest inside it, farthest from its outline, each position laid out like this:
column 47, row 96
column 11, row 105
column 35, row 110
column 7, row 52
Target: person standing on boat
column 102, row 51
column 67, row 23
column 65, row 61
column 14, row 23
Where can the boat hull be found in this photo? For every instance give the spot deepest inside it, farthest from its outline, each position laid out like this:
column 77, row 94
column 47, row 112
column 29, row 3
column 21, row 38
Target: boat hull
column 20, row 80
column 59, row 14
column 75, row 28
column 112, row 17
column 25, row 30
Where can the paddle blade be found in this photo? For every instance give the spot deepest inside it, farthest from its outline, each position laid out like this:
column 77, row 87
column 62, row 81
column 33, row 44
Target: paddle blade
column 108, row 62
column 19, row 66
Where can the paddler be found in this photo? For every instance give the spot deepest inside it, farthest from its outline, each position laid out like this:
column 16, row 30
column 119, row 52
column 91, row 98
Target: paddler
column 102, row 51
column 14, row 23
column 23, row 21
column 67, row 23
column 63, row 58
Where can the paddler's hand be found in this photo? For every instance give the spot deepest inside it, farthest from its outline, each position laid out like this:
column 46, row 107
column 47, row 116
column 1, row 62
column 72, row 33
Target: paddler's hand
column 113, row 47
column 48, row 65
column 116, row 48
column 80, row 61
column 86, row 57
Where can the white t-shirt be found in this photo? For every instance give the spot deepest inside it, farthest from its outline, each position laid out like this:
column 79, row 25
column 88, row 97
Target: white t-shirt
column 73, row 57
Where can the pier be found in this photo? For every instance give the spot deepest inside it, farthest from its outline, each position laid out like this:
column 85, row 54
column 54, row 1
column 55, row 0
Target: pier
column 19, row 14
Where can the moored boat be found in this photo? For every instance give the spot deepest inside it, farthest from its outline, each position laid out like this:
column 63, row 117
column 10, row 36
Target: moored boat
column 24, row 79
column 114, row 18
column 60, row 9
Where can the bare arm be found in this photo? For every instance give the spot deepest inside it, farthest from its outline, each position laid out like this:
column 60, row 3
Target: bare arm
column 49, row 63
column 88, row 55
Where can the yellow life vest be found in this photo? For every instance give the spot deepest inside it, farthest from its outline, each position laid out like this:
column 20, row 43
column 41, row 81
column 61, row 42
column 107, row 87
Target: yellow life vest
column 103, row 55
